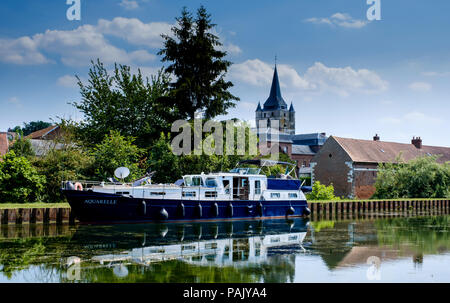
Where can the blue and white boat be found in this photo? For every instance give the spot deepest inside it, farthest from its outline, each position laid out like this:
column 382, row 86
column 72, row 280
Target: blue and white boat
column 242, row 193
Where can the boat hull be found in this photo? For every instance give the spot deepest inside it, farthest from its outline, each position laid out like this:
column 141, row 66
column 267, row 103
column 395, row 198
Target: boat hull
column 94, row 207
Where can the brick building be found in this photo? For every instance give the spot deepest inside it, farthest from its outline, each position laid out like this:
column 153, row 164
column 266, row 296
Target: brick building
column 4, row 143
column 352, row 164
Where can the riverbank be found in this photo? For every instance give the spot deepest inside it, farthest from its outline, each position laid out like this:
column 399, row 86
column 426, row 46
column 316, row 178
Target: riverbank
column 34, row 205
column 61, row 212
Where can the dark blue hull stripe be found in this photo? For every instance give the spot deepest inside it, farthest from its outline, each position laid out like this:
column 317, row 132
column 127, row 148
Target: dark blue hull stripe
column 98, row 207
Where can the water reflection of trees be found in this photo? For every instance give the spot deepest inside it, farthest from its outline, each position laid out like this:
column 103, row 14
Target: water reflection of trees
column 423, row 235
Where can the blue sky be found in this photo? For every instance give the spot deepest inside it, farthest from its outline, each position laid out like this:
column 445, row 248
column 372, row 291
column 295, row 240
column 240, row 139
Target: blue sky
column 345, row 75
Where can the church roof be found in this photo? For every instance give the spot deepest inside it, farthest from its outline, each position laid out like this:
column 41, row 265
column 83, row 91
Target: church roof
column 258, row 109
column 275, row 101
column 291, row 108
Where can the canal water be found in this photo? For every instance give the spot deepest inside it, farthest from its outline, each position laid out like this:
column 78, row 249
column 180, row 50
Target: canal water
column 385, row 249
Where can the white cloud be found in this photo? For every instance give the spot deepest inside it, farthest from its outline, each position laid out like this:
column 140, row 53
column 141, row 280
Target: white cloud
column 23, row 50
column 79, row 46
column 129, row 4
column 135, row 31
column 344, row 80
column 339, row 19
column 317, row 78
column 15, row 101
column 436, row 74
column 420, row 86
column 75, row 48
column 68, row 81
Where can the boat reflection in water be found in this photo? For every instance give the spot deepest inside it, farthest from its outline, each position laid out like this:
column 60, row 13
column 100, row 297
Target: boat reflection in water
column 236, row 243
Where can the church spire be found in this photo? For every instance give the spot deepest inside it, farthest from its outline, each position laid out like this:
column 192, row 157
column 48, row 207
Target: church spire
column 291, row 108
column 258, row 109
column 275, row 101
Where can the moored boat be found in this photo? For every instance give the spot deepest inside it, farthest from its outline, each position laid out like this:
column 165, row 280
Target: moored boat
column 242, row 193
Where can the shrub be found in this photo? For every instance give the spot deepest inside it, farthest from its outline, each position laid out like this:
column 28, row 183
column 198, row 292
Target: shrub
column 419, row 178
column 322, row 192
column 60, row 165
column 115, row 151
column 19, row 180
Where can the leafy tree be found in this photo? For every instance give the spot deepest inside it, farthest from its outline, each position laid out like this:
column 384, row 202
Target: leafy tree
column 163, row 161
column 22, row 147
column 422, row 177
column 116, row 151
column 31, row 127
column 124, row 102
column 322, row 192
column 199, row 67
column 19, row 180
column 57, row 165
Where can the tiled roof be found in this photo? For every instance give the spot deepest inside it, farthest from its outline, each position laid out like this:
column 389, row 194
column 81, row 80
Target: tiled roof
column 302, row 150
column 42, row 133
column 382, row 152
column 3, row 143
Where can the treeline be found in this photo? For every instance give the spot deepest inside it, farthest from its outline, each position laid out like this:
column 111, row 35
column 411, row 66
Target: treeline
column 419, row 178
column 127, row 119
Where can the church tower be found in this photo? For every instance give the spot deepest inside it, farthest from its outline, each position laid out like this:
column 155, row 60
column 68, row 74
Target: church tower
column 275, row 108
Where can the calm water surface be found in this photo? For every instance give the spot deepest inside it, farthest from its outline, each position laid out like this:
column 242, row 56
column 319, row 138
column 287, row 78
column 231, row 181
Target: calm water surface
column 392, row 249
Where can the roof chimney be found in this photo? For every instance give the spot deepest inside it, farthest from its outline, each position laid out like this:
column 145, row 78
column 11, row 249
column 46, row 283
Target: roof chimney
column 417, row 142
column 376, row 137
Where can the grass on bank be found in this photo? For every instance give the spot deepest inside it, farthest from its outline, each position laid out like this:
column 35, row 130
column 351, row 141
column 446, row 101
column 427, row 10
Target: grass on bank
column 34, row 205
column 369, row 200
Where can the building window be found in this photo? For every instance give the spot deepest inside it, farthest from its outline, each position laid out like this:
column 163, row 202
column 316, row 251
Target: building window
column 293, row 195
column 304, row 163
column 275, row 195
column 330, row 155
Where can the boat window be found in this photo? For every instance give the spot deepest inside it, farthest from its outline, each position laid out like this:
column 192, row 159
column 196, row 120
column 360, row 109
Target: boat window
column 257, row 187
column 189, row 194
column 188, row 181
column 226, row 185
column 197, row 181
column 293, row 195
column 210, row 194
column 275, row 195
column 211, row 182
column 157, row 193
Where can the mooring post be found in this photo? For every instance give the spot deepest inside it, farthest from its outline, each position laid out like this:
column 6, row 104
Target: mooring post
column 12, row 216
column 46, row 215
column 2, row 216
column 26, row 215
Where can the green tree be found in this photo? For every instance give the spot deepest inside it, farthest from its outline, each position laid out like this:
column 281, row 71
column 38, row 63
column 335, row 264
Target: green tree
column 422, row 177
column 163, row 161
column 22, row 147
column 124, row 102
column 116, row 151
column 58, row 165
column 20, row 182
column 199, row 67
column 322, row 192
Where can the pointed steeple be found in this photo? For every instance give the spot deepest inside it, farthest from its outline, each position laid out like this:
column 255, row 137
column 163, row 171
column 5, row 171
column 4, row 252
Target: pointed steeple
column 258, row 109
column 291, row 108
column 275, row 101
